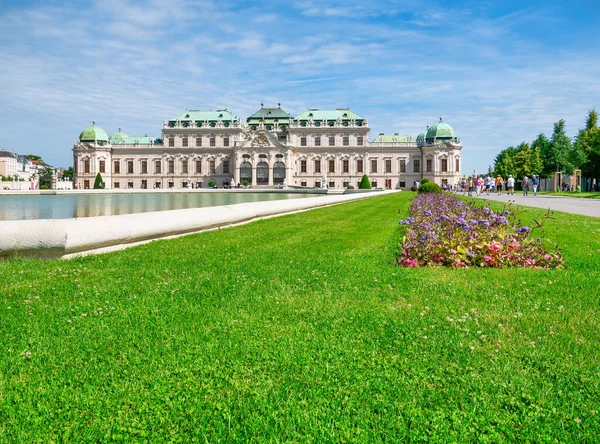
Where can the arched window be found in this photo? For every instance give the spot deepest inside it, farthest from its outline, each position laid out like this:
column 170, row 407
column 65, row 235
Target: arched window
column 246, row 172
column 262, row 173
column 278, row 173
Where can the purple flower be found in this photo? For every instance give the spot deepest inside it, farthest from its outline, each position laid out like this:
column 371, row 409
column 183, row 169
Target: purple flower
column 523, row 230
column 484, row 222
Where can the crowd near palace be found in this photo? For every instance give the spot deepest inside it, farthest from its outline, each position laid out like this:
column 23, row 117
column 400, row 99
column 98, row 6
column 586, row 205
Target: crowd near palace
column 318, row 148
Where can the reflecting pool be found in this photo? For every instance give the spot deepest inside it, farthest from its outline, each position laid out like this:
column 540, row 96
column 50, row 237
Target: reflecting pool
column 67, row 206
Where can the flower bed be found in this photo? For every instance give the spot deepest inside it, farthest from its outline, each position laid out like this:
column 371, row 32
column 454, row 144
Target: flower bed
column 442, row 230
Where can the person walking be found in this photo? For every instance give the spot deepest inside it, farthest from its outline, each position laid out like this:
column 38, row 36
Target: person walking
column 535, row 181
column 510, row 185
column 499, row 184
column 525, row 185
column 488, row 184
column 478, row 185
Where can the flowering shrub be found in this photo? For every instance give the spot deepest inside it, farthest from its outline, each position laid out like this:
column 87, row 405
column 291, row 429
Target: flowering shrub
column 442, row 230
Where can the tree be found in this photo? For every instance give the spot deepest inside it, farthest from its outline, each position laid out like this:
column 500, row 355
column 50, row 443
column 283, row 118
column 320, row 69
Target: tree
column 46, row 174
column 68, row 173
column 591, row 121
column 365, row 184
column 560, row 148
column 588, row 142
column 542, row 145
column 34, row 157
column 98, row 184
column 503, row 163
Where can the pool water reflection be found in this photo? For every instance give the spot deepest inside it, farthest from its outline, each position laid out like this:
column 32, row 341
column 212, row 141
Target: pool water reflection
column 67, row 206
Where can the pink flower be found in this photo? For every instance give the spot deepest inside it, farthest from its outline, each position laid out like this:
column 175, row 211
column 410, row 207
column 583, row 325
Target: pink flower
column 547, row 257
column 529, row 262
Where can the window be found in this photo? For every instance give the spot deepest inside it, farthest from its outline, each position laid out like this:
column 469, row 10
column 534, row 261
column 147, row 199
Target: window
column 317, row 166
column 144, row 184
column 213, row 141
column 302, row 141
column 184, row 167
column 359, row 140
column 457, row 169
column 86, row 184
column 303, row 166
column 117, row 185
column 429, row 165
column 198, row 141
column 388, row 165
column 444, row 165
column 302, row 184
column 374, row 184
column 185, row 141
column 403, row 165
column 130, row 167
column 198, row 167
column 117, row 166
column 171, row 141
column 86, row 166
column 359, row 166
column 317, row 141
column 402, row 184
column 226, row 166
column 331, row 184
column 331, row 141
column 225, row 141
column 332, row 166
column 373, row 165
column 346, row 141
column 103, row 166
column 211, row 166
column 417, row 166
column 171, row 167
column 157, row 167
column 345, row 166
column 144, row 167
column 345, row 184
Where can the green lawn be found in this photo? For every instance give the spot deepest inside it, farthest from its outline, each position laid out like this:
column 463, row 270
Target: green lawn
column 583, row 194
column 300, row 328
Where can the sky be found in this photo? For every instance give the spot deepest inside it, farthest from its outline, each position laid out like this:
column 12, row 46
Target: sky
column 499, row 72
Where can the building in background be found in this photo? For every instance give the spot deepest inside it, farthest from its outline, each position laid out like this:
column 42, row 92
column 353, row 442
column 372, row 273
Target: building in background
column 318, row 148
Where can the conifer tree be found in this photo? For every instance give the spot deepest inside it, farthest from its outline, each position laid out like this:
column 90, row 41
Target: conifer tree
column 365, row 184
column 98, row 184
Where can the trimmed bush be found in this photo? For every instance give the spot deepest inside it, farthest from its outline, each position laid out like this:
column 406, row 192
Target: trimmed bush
column 413, row 188
column 245, row 183
column 98, row 184
column 365, row 184
column 211, row 183
column 44, row 187
column 424, row 181
column 430, row 187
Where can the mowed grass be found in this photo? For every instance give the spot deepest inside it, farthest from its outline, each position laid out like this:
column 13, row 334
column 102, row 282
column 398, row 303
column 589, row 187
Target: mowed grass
column 301, row 329
column 582, row 194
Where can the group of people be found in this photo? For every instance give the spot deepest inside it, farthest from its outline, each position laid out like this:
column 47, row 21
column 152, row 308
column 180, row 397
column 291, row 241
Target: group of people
column 479, row 184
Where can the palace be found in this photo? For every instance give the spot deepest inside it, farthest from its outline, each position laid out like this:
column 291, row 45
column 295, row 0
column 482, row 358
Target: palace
column 318, row 148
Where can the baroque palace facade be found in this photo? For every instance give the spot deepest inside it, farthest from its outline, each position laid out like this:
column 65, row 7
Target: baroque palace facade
column 318, row 148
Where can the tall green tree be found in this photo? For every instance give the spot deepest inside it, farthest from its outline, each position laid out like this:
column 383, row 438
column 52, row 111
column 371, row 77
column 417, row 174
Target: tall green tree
column 560, row 148
column 68, row 173
column 503, row 163
column 588, row 142
column 542, row 145
column 98, row 183
column 591, row 121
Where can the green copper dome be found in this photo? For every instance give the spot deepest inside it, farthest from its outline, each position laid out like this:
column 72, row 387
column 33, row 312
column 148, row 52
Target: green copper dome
column 421, row 137
column 93, row 134
column 440, row 131
column 118, row 137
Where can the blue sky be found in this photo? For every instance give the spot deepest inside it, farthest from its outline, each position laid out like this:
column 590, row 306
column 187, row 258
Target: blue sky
column 498, row 72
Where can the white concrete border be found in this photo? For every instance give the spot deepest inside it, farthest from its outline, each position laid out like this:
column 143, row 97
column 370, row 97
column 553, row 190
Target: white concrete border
column 65, row 237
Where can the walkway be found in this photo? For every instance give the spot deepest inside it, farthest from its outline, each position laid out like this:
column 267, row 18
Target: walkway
column 585, row 207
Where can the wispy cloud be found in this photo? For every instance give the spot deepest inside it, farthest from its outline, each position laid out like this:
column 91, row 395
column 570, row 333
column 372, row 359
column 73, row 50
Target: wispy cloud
column 492, row 74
